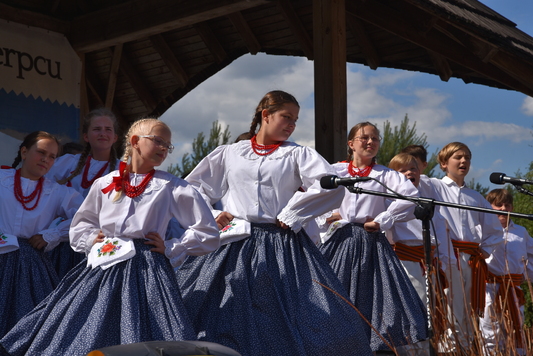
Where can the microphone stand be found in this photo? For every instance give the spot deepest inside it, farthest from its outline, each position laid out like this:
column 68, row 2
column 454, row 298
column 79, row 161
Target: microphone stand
column 425, row 208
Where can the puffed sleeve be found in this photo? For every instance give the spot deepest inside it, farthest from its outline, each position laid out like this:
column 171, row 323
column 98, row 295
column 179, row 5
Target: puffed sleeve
column 201, row 235
column 209, row 177
column 70, row 201
column 314, row 201
column 85, row 224
column 398, row 209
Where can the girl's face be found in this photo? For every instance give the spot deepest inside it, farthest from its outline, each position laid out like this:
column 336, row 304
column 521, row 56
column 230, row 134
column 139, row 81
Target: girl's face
column 38, row 159
column 101, row 134
column 365, row 143
column 411, row 172
column 457, row 166
column 280, row 125
column 153, row 149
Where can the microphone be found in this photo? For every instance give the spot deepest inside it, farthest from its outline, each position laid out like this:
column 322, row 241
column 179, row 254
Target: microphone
column 501, row 178
column 332, row 182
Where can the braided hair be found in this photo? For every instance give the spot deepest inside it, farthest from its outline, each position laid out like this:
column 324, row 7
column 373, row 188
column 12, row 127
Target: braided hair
column 30, row 140
column 272, row 102
column 100, row 112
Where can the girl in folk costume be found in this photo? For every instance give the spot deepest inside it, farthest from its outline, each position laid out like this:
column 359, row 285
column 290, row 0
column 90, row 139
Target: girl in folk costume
column 28, row 205
column 362, row 256
column 127, row 292
column 81, row 170
column 258, row 293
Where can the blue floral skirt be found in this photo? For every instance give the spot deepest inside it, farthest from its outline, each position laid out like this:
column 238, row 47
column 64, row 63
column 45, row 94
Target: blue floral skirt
column 376, row 281
column 64, row 258
column 26, row 278
column 133, row 301
column 261, row 296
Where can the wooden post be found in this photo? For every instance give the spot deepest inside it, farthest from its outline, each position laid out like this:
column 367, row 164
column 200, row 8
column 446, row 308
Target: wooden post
column 329, row 40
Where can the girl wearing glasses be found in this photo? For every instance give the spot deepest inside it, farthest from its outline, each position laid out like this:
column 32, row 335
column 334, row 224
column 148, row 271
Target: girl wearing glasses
column 127, row 291
column 79, row 171
column 261, row 293
column 362, row 256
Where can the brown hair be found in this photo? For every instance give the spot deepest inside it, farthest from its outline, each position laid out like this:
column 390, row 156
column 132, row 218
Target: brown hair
column 100, row 112
column 402, row 159
column 499, row 197
column 30, row 140
column 447, row 151
column 272, row 101
column 418, row 151
column 353, row 132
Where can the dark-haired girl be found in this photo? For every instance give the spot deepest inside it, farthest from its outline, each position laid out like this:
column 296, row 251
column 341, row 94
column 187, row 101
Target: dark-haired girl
column 263, row 293
column 28, row 205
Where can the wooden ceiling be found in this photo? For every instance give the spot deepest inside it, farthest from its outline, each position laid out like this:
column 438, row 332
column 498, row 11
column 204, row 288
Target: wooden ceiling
column 140, row 57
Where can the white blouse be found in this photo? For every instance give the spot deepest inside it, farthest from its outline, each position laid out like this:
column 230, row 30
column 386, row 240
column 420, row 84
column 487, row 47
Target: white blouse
column 261, row 189
column 360, row 208
column 515, row 255
column 56, row 201
column 468, row 225
column 66, row 164
column 165, row 196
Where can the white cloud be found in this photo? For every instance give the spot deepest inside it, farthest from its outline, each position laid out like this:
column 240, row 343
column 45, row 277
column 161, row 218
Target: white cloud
column 527, row 106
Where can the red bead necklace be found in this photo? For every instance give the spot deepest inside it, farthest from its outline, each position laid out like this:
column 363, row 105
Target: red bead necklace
column 354, row 171
column 266, row 149
column 24, row 200
column 136, row 190
column 85, row 183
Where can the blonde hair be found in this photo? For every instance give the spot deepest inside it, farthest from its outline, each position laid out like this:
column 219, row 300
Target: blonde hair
column 447, row 151
column 142, row 126
column 402, row 159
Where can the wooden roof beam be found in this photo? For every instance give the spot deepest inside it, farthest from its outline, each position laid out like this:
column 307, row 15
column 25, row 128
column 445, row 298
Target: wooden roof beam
column 33, row 19
column 173, row 64
column 211, row 41
column 128, row 70
column 296, row 26
column 113, row 75
column 387, row 19
column 137, row 19
column 441, row 65
column 244, row 30
column 358, row 30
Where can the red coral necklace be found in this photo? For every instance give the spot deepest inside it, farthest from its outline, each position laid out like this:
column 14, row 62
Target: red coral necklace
column 354, row 171
column 85, row 183
column 25, row 200
column 133, row 191
column 263, row 150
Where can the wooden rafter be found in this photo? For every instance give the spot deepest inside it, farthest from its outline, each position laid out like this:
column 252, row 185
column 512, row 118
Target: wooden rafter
column 441, row 65
column 113, row 75
column 237, row 19
column 297, row 28
column 170, row 59
column 211, row 41
column 138, row 19
column 33, row 19
column 358, row 30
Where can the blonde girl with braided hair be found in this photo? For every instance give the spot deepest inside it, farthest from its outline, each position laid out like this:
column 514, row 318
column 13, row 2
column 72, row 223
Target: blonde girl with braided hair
column 115, row 298
column 265, row 281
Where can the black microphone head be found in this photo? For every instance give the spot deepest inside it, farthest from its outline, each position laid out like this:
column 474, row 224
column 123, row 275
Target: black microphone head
column 497, row 178
column 328, row 182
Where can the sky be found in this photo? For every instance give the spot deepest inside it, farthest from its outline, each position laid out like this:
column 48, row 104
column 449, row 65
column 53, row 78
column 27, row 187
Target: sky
column 496, row 124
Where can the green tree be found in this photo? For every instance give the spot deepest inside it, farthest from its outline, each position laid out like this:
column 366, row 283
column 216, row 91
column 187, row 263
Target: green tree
column 395, row 139
column 472, row 184
column 200, row 148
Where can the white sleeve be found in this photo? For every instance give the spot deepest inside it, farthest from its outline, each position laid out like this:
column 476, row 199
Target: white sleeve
column 85, row 225
column 398, row 209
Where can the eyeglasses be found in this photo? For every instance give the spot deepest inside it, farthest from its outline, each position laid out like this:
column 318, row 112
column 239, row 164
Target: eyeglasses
column 160, row 142
column 365, row 139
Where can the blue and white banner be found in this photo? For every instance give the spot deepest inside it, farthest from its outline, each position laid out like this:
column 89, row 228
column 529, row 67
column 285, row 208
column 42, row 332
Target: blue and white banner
column 40, row 77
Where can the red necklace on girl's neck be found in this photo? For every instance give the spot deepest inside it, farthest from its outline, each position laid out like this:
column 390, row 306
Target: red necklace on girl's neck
column 24, row 200
column 133, row 191
column 356, row 172
column 263, row 150
column 85, row 183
